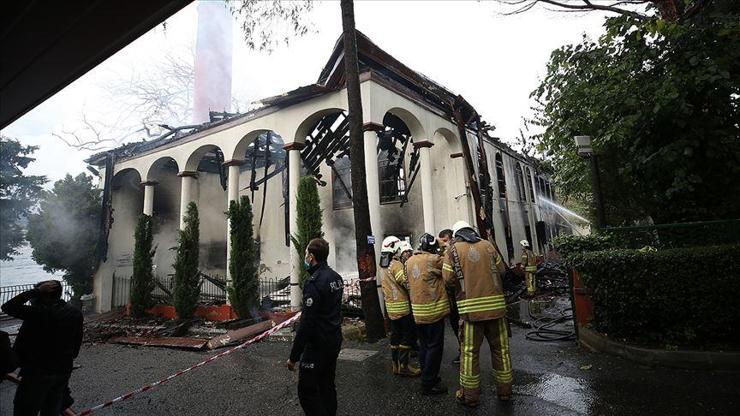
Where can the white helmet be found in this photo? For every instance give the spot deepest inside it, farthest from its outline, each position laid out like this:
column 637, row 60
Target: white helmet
column 459, row 226
column 390, row 244
column 404, row 247
column 524, row 243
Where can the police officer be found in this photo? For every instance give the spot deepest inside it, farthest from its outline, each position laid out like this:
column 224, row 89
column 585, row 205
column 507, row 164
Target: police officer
column 397, row 306
column 474, row 268
column 529, row 262
column 430, row 305
column 319, row 336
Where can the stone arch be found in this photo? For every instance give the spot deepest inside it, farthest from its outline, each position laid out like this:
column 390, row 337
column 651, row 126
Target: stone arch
column 164, row 163
column 309, row 123
column 412, row 122
column 248, row 139
column 194, row 160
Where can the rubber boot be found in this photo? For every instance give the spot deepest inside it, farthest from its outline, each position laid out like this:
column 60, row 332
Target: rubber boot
column 394, row 357
column 406, row 369
column 504, row 392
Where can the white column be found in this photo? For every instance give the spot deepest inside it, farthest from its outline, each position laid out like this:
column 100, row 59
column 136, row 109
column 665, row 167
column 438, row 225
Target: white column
column 373, row 195
column 296, row 259
column 187, row 180
column 149, row 197
column 427, row 193
column 232, row 188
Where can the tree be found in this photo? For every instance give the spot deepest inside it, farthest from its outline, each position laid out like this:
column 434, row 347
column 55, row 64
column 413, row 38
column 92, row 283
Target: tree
column 18, row 193
column 244, row 287
column 187, row 276
column 64, row 232
column 142, row 281
column 661, row 101
column 669, row 10
column 365, row 251
column 266, row 23
column 309, row 218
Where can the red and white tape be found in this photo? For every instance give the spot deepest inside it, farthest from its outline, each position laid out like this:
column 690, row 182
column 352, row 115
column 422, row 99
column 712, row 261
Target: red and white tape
column 200, row 364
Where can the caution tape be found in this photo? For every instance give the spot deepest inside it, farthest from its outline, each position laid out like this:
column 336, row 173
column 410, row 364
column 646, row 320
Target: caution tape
column 200, row 364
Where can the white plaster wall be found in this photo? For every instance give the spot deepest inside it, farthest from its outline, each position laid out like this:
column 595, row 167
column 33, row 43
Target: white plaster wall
column 212, row 206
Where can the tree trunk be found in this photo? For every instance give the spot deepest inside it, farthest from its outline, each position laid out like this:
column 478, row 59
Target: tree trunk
column 365, row 252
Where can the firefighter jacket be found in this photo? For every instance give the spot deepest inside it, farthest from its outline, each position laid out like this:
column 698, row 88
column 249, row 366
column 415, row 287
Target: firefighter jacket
column 477, row 280
column 429, row 301
column 394, row 290
column 529, row 261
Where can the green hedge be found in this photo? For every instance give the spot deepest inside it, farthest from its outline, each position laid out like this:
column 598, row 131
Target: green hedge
column 686, row 296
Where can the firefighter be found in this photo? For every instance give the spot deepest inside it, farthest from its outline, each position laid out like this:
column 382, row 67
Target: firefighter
column 474, row 268
column 445, row 237
column 319, row 337
column 529, row 262
column 430, row 305
column 397, row 307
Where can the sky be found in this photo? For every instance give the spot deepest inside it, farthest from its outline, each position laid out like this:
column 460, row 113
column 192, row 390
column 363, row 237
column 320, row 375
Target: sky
column 491, row 59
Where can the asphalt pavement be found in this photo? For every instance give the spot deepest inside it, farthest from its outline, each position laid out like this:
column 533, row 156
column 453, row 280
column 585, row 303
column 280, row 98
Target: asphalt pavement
column 551, row 378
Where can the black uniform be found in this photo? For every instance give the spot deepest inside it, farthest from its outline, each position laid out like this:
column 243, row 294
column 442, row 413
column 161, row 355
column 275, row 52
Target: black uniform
column 48, row 341
column 318, row 341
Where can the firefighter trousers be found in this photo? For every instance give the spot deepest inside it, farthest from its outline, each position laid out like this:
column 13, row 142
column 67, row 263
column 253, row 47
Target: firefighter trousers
column 471, row 338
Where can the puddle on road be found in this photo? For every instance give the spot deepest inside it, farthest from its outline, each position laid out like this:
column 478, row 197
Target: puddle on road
column 568, row 392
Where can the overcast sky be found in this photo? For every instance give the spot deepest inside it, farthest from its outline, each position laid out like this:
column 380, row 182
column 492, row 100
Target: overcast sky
column 494, row 61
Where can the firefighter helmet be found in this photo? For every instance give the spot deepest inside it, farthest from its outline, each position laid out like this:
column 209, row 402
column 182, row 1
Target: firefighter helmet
column 524, row 243
column 404, row 247
column 459, row 226
column 428, row 242
column 390, row 244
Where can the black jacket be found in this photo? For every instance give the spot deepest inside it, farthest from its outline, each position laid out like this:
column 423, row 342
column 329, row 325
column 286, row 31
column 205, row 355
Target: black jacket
column 49, row 338
column 320, row 329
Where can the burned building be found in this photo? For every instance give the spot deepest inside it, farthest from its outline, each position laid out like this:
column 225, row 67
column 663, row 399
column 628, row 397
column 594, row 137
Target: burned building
column 429, row 161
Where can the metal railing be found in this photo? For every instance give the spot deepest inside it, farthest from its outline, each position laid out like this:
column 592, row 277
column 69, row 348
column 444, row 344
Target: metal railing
column 273, row 292
column 9, row 292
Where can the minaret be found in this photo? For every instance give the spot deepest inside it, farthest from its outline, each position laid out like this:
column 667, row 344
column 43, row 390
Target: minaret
column 213, row 56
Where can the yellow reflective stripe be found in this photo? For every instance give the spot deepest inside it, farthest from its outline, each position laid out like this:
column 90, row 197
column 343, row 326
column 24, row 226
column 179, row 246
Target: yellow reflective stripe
column 470, row 382
column 486, row 308
column 530, row 269
column 484, row 299
column 467, row 378
column 430, row 309
column 447, row 267
column 399, row 274
column 499, row 260
column 402, row 306
column 504, row 377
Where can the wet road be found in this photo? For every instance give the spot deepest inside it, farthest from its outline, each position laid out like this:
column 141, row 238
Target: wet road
column 550, row 379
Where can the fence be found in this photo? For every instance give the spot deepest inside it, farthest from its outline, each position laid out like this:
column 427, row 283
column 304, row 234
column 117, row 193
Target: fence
column 273, row 292
column 9, row 292
column 690, row 234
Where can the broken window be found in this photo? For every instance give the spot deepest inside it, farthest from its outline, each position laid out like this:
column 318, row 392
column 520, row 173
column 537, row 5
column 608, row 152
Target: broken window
column 393, row 142
column 500, row 178
column 341, row 183
column 520, row 183
column 529, row 184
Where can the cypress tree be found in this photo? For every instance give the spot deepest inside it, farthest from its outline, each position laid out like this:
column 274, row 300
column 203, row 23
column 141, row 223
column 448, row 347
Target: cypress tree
column 187, row 278
column 142, row 281
column 309, row 219
column 244, row 287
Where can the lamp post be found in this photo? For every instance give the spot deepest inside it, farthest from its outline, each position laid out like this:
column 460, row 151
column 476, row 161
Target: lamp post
column 583, row 144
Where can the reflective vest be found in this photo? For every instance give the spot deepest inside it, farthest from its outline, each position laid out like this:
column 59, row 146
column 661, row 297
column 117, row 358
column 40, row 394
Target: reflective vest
column 480, row 294
column 529, row 261
column 394, row 291
column 429, row 302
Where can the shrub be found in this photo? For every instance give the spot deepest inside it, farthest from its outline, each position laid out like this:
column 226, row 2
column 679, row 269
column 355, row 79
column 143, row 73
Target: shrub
column 142, row 281
column 678, row 296
column 187, row 276
column 308, row 219
column 244, row 287
column 569, row 246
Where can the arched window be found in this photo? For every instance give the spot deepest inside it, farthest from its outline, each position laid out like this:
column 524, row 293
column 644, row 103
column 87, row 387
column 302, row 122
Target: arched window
column 393, row 143
column 520, row 183
column 529, row 184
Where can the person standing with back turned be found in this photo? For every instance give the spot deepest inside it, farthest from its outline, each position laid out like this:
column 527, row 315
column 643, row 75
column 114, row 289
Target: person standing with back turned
column 319, row 336
column 474, row 268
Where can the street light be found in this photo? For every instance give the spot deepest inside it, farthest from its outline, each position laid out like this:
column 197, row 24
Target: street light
column 583, row 144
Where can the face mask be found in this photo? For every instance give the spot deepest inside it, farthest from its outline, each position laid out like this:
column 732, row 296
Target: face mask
column 306, row 263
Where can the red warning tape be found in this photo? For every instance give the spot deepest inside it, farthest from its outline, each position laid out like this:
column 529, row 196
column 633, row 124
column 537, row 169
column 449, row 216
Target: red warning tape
column 200, row 364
